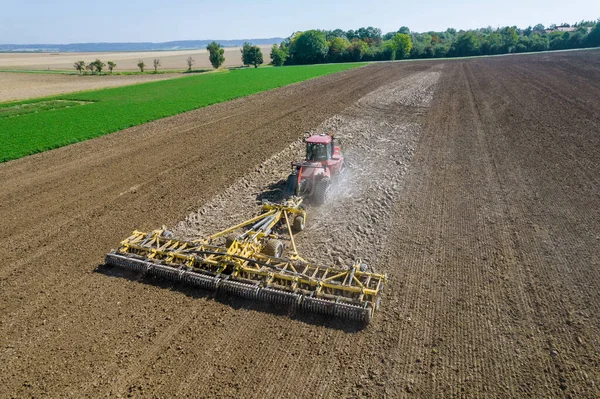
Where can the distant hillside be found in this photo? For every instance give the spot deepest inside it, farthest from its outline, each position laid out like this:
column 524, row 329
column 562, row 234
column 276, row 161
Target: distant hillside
column 147, row 46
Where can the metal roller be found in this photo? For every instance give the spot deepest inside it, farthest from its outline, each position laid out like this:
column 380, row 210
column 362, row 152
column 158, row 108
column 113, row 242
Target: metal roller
column 242, row 290
column 279, row 297
column 352, row 312
column 316, row 305
column 126, row 262
column 166, row 272
column 200, row 280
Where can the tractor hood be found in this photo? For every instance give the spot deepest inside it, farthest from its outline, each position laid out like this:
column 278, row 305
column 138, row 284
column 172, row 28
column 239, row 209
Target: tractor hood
column 311, row 170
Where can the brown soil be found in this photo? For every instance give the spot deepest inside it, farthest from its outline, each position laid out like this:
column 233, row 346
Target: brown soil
column 485, row 215
column 20, row 86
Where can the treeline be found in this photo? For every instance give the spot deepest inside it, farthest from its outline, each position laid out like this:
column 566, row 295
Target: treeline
column 369, row 44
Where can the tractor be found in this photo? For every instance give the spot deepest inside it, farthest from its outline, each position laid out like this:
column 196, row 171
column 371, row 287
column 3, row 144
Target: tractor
column 323, row 166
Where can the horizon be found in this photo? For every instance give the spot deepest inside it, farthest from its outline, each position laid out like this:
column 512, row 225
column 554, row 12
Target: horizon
column 155, row 22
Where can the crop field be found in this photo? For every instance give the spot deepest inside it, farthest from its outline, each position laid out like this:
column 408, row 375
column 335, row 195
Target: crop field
column 28, row 128
column 474, row 184
column 126, row 61
column 22, row 86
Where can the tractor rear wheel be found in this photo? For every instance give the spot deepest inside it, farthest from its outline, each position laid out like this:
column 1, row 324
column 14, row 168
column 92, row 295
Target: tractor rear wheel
column 321, row 191
column 273, row 248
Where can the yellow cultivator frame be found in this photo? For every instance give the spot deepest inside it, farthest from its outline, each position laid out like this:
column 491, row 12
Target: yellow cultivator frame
column 251, row 265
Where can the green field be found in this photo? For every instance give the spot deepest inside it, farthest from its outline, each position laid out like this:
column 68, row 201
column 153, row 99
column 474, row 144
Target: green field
column 109, row 110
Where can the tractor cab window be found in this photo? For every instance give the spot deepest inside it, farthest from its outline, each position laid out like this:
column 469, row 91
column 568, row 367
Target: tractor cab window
column 318, row 152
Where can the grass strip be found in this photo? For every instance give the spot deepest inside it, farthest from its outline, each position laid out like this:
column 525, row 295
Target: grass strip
column 118, row 108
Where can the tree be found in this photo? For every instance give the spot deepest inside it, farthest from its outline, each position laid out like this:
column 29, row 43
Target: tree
column 255, row 56
column 216, row 54
column 388, row 36
column 90, row 67
column 98, row 65
column 404, row 30
column 402, row 44
column 278, row 55
column 156, row 64
column 245, row 50
column 79, row 66
column 337, row 49
column 492, row 44
column 141, row 65
column 370, row 35
column 190, row 62
column 539, row 42
column 466, row 43
column 593, row 38
column 332, row 34
column 510, row 38
column 357, row 50
column 539, row 28
column 308, row 47
column 111, row 66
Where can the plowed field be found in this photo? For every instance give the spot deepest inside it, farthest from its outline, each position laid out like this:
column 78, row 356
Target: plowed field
column 474, row 184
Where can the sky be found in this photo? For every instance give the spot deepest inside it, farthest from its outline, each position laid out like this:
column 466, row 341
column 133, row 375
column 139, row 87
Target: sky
column 70, row 21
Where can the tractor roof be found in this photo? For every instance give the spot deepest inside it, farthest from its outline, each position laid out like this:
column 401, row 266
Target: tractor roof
column 319, row 139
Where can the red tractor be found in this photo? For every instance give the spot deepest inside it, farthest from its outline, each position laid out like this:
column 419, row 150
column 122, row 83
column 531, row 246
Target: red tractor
column 313, row 177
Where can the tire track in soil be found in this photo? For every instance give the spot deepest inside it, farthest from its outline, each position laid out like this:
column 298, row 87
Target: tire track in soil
column 564, row 286
column 503, row 333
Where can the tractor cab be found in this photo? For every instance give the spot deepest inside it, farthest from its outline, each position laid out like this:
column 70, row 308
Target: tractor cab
column 320, row 148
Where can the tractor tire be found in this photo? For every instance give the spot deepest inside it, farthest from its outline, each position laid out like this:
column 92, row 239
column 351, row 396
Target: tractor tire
column 299, row 224
column 321, row 192
column 229, row 239
column 273, row 248
column 291, row 186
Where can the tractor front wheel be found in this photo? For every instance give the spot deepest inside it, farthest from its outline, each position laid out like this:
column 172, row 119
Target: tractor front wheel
column 321, row 191
column 291, row 185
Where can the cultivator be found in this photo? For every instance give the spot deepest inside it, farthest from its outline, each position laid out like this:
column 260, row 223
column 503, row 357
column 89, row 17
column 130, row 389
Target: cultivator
column 251, row 265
